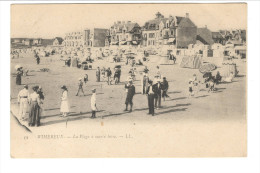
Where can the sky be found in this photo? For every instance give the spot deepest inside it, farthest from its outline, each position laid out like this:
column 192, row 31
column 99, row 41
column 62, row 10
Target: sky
column 53, row 20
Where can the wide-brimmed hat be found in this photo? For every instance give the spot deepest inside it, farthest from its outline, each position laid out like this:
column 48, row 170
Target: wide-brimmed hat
column 25, row 86
column 64, row 87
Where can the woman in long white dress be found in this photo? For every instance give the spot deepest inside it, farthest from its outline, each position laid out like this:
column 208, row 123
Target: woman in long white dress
column 64, row 107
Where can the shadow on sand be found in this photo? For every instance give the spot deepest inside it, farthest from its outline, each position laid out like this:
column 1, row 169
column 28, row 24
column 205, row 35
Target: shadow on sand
column 79, row 116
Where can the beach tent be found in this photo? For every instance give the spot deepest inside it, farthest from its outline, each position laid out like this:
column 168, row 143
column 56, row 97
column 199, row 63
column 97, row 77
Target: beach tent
column 191, row 62
column 229, row 67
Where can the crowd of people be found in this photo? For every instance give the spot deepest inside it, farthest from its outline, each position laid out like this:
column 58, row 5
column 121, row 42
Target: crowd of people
column 154, row 86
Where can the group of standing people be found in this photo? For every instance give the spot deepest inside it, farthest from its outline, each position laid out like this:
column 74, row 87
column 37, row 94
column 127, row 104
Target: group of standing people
column 107, row 74
column 35, row 103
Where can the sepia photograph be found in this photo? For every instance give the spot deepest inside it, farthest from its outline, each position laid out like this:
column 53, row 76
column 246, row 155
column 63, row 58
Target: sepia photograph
column 144, row 80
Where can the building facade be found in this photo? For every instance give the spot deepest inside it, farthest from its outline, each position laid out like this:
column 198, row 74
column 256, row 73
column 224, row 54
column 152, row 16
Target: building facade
column 74, row 39
column 175, row 30
column 87, row 38
column 124, row 33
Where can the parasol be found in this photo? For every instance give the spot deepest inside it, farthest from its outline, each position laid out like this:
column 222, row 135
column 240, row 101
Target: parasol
column 118, row 66
column 207, row 68
column 207, row 75
column 17, row 67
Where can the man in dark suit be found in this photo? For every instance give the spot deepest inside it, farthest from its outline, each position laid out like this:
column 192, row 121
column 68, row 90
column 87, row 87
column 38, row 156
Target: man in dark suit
column 150, row 96
column 130, row 94
column 157, row 94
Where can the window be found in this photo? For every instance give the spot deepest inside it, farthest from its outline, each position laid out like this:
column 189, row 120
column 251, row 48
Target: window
column 151, row 35
column 172, row 32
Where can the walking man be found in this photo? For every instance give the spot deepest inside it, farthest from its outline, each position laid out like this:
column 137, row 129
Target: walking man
column 165, row 87
column 23, row 100
column 130, row 94
column 158, row 94
column 80, row 85
column 93, row 103
column 150, row 96
column 98, row 74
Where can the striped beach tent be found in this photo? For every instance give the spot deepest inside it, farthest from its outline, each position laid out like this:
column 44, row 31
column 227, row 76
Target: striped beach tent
column 191, row 62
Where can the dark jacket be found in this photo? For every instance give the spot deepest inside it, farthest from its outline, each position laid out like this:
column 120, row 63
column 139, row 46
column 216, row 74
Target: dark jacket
column 165, row 85
column 109, row 72
column 131, row 90
column 157, row 89
column 150, row 87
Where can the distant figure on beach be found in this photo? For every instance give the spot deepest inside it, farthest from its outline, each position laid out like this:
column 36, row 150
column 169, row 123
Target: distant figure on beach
column 19, row 74
column 130, row 88
column 98, row 74
column 218, row 78
column 34, row 113
column 150, row 96
column 158, row 93
column 37, row 58
column 109, row 74
column 85, row 79
column 93, row 103
column 80, row 87
column 190, row 88
column 23, row 100
column 64, row 108
column 41, row 95
column 144, row 83
column 165, row 87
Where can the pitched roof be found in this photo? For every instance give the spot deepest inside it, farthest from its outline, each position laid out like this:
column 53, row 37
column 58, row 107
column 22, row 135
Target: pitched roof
column 185, row 22
column 205, row 36
column 181, row 22
column 129, row 26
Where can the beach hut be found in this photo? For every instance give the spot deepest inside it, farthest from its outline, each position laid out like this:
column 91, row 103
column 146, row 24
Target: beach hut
column 228, row 68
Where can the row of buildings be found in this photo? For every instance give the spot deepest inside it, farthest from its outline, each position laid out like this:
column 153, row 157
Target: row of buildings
column 57, row 41
column 176, row 31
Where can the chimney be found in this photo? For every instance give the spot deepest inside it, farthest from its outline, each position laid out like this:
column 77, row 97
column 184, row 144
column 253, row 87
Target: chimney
column 187, row 15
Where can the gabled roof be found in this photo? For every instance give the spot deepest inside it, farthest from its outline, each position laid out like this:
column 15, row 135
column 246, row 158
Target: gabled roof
column 186, row 22
column 129, row 26
column 205, row 36
column 180, row 21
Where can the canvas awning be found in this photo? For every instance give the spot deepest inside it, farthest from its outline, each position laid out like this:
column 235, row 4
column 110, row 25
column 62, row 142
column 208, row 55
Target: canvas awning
column 240, row 48
column 122, row 42
column 170, row 40
column 115, row 43
column 134, row 42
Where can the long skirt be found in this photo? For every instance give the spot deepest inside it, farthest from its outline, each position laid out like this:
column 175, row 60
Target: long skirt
column 18, row 79
column 64, row 106
column 34, row 114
